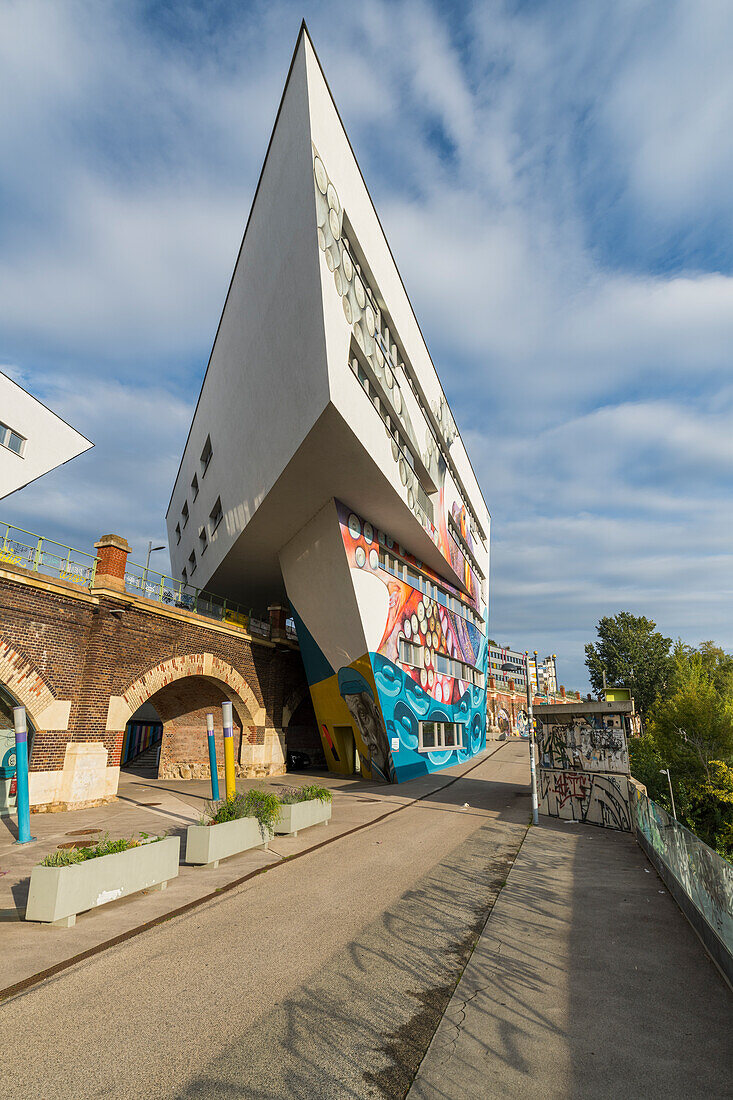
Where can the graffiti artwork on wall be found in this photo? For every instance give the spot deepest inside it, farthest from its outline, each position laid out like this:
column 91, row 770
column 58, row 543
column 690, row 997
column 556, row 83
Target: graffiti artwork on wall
column 591, row 743
column 578, row 796
column 705, row 876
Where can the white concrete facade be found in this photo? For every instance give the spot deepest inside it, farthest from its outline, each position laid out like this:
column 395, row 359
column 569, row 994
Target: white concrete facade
column 33, row 439
column 323, row 463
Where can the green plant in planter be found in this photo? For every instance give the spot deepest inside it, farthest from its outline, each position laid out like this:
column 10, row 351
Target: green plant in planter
column 66, row 857
column 313, row 792
column 290, row 795
column 257, row 802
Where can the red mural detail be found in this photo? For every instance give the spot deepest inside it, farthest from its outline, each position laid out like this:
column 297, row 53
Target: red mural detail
column 412, row 615
column 571, row 785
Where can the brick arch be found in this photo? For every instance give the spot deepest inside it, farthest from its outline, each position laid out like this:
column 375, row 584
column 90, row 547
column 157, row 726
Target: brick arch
column 205, row 665
column 26, row 685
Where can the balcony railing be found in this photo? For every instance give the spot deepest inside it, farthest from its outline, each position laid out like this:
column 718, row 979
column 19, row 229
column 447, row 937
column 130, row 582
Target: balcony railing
column 42, row 555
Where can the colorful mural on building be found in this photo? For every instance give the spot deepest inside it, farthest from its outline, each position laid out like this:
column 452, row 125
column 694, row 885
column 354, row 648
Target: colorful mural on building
column 428, row 665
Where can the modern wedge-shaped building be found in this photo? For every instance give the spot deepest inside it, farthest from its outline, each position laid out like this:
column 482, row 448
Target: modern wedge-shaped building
column 33, row 440
column 323, row 466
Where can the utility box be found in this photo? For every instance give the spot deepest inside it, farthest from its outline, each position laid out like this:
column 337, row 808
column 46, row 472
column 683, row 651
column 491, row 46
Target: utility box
column 583, row 762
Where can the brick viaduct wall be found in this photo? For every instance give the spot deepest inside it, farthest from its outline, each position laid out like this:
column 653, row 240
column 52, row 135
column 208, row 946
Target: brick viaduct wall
column 82, row 660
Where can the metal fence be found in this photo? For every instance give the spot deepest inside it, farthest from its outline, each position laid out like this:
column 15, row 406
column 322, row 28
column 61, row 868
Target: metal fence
column 43, row 555
column 140, row 581
column 698, row 878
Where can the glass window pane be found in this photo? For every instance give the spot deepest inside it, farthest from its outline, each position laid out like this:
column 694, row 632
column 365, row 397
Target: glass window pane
column 428, row 735
column 16, row 443
column 449, row 733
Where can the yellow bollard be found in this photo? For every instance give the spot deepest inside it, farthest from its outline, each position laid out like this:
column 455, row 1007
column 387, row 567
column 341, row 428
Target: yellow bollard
column 227, row 722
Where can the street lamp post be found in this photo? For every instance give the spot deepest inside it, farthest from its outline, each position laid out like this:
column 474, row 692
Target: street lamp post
column 665, row 771
column 151, row 550
column 530, row 719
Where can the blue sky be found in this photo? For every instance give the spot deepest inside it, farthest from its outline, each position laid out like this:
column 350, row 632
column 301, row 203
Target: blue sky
column 555, row 181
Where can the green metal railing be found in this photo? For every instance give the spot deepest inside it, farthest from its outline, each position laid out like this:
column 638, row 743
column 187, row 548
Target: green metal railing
column 42, row 555
column 140, row 581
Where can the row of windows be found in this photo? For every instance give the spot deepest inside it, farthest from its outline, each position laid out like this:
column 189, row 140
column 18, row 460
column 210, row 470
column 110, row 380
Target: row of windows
column 415, row 491
column 387, row 351
column 411, row 576
column 215, row 517
column 204, row 461
column 463, row 547
column 391, row 351
column 416, row 656
column 434, row 736
column 12, row 440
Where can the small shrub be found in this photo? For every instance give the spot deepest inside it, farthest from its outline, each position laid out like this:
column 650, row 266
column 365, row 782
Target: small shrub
column 314, row 792
column 229, row 809
column 257, row 802
column 65, row 857
column 289, row 795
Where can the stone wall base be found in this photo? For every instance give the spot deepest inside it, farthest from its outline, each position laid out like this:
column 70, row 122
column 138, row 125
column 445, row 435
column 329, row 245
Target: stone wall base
column 192, row 770
column 60, row 807
column 85, row 780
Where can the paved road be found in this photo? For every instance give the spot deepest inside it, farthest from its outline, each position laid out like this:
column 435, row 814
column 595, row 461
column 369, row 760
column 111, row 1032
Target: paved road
column 326, row 977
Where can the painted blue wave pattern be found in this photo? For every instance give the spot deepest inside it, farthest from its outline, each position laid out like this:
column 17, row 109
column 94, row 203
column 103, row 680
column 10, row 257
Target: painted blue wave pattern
column 404, row 705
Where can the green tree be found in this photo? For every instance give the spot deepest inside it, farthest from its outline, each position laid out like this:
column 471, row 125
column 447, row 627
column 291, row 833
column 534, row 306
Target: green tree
column 715, row 662
column 631, row 652
column 690, row 731
column 692, row 724
column 711, row 809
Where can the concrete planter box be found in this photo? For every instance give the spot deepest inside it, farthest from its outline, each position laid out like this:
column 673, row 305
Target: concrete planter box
column 207, row 844
column 301, row 815
column 57, row 894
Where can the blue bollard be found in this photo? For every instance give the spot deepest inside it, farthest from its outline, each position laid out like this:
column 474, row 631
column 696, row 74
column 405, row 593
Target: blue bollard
column 21, row 773
column 212, row 757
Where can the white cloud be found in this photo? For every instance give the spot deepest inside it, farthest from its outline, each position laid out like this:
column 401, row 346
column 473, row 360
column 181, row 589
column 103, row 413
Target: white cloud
column 554, row 180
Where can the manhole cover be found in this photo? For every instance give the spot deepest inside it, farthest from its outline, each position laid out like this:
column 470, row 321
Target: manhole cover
column 73, row 844
column 369, row 800
column 150, row 803
column 83, row 832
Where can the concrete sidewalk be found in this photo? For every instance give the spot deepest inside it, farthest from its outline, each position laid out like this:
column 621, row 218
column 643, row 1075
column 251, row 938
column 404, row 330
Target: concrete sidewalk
column 586, row 982
column 156, row 806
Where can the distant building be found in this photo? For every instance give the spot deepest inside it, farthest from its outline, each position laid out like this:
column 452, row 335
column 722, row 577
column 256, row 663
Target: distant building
column 508, row 664
column 324, row 467
column 33, row 440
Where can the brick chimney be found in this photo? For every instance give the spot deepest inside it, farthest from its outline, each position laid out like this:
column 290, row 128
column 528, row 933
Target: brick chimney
column 112, row 551
column 278, row 615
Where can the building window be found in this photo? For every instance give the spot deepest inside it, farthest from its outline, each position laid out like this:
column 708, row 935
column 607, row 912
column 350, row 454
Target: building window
column 184, row 512
column 203, row 540
column 178, row 533
column 411, row 654
column 440, row 736
column 216, row 515
column 184, row 574
column 195, row 487
column 206, row 455
column 192, row 562
column 11, row 440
